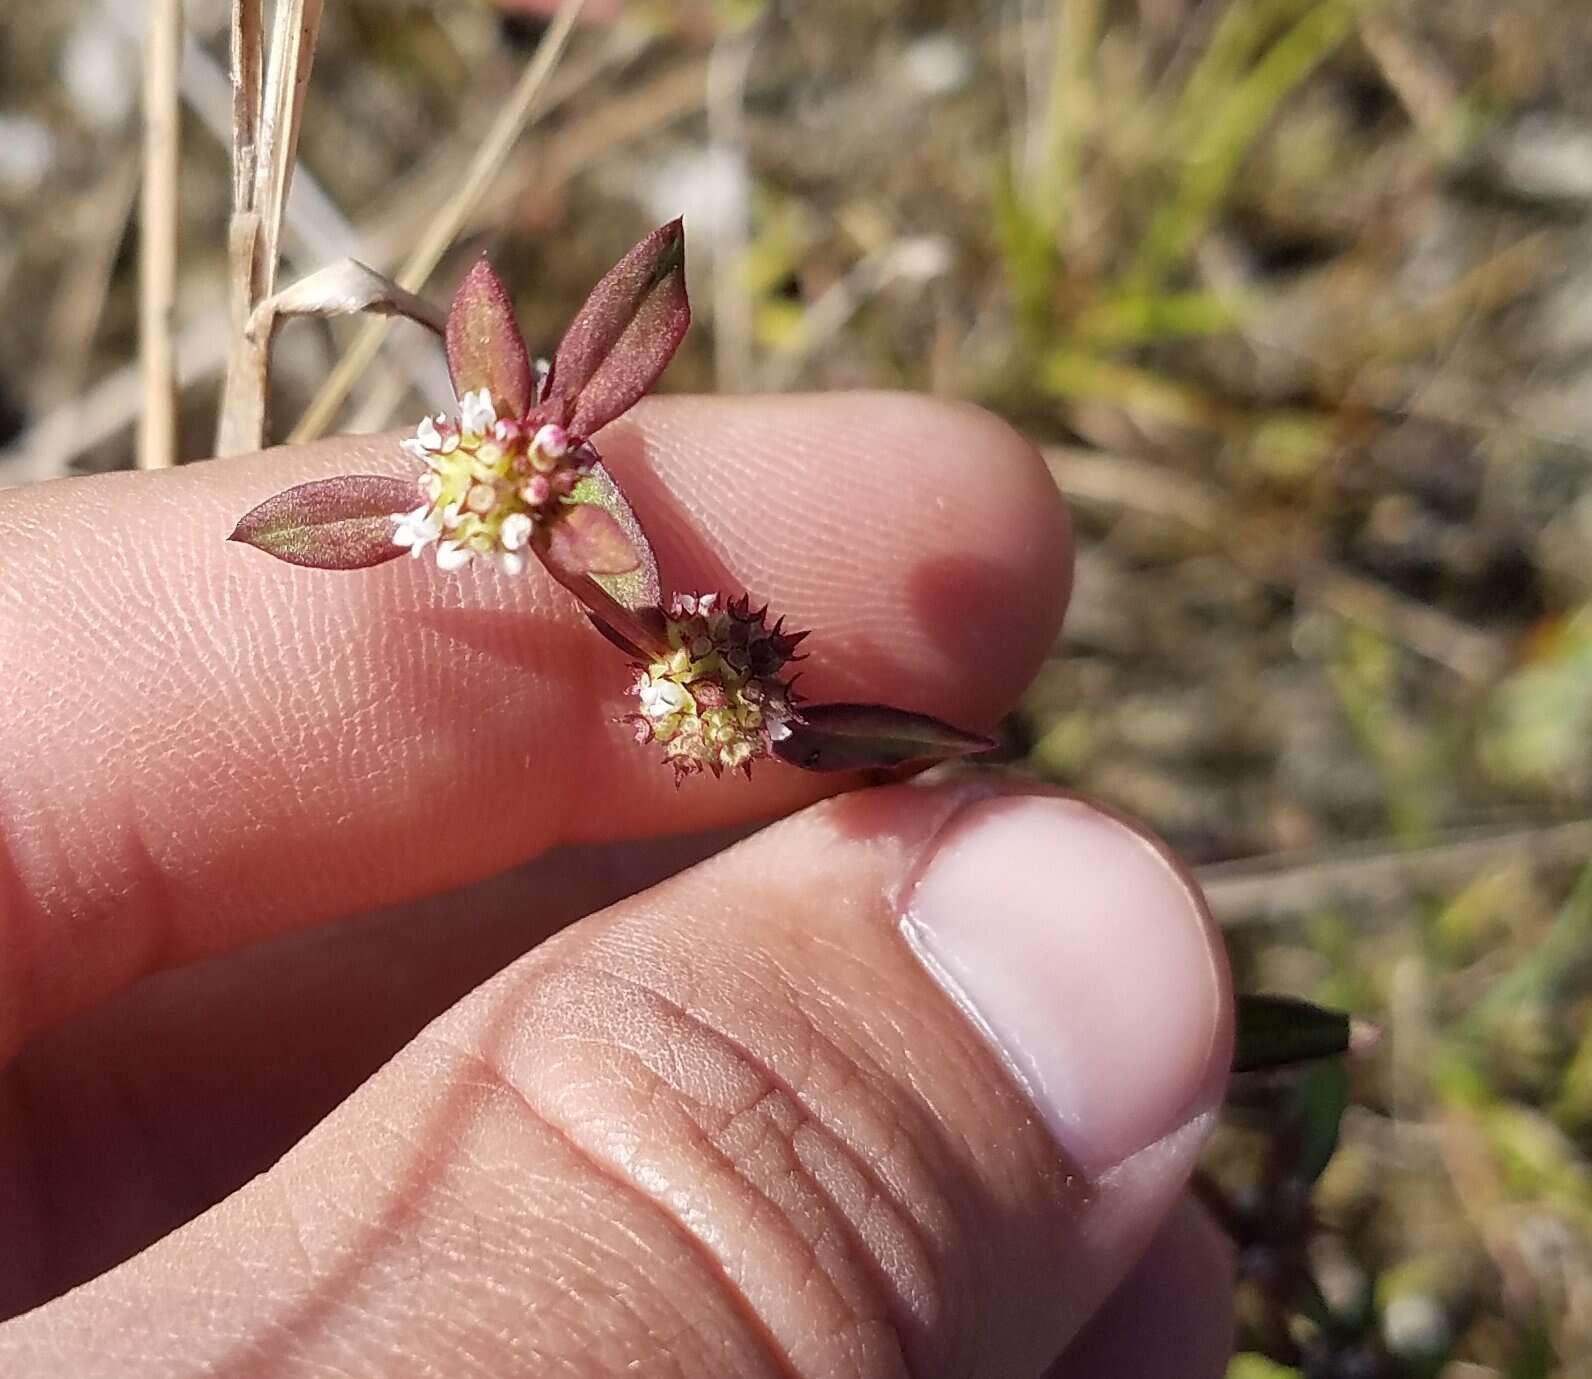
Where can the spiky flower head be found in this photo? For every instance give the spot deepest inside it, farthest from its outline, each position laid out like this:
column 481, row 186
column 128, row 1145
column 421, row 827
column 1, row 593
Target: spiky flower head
column 716, row 699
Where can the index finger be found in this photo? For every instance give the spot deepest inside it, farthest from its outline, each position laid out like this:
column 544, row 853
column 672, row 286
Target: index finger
column 200, row 746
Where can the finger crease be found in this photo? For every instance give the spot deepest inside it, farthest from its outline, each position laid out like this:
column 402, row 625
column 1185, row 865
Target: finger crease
column 730, row 1289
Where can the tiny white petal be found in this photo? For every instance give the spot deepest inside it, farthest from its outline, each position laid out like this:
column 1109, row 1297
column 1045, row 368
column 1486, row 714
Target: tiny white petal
column 511, row 563
column 661, row 698
column 452, row 556
column 428, row 436
column 414, row 529
column 705, row 603
column 516, row 531
column 414, row 446
column 476, row 412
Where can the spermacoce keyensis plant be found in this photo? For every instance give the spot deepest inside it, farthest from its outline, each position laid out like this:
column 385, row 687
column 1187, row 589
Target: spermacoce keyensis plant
column 514, row 476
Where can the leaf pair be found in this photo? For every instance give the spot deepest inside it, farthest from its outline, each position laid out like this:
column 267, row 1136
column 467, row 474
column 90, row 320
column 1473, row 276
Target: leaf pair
column 619, row 343
column 615, row 349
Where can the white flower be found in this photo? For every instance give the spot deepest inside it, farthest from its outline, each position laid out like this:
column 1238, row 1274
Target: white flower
column 452, row 556
column 416, row 530
column 511, row 563
column 476, row 412
column 515, row 532
column 414, row 446
column 661, row 698
column 428, row 437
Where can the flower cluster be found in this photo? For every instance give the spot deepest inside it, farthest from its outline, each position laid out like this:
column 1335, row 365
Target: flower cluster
column 515, row 476
column 715, row 700
column 487, row 484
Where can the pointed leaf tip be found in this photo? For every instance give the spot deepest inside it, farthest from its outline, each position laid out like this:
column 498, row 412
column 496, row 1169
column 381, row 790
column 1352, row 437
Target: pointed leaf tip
column 624, row 336
column 1277, row 1031
column 850, row 737
column 344, row 523
column 485, row 347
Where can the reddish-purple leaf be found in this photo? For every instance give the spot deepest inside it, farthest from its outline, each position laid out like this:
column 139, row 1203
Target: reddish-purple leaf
column 625, row 334
column 586, row 540
column 330, row 524
column 639, row 631
column 636, row 586
column 485, row 347
column 850, row 737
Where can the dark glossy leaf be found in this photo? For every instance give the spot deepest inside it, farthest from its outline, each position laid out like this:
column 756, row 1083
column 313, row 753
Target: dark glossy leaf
column 635, row 587
column 1274, row 1031
column 624, row 336
column 330, row 524
column 1310, row 1118
column 485, row 347
column 614, row 637
column 850, row 737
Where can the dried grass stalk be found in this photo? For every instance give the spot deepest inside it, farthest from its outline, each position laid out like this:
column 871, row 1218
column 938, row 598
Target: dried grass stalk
column 267, row 113
column 157, row 282
column 513, row 116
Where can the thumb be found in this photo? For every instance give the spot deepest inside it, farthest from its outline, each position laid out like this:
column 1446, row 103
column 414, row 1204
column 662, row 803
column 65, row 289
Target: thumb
column 901, row 1085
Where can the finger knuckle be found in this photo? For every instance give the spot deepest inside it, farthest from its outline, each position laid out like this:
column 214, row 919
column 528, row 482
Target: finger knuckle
column 778, row 1154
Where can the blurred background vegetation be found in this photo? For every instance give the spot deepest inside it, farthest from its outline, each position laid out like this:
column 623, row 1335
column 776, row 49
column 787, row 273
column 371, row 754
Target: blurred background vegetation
column 1297, row 297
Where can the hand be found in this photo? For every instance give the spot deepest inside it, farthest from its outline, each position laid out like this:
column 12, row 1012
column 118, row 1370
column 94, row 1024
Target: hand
column 737, row 1124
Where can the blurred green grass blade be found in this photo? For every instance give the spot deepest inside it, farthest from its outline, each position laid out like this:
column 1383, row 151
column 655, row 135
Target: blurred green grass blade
column 1028, row 258
column 1240, row 33
column 1146, row 318
column 1077, row 375
column 1557, row 966
column 1227, row 132
column 1069, row 114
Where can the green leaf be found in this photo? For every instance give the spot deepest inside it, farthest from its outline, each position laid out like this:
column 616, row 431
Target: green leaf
column 851, row 737
column 1311, row 1117
column 637, row 586
column 343, row 523
column 586, row 539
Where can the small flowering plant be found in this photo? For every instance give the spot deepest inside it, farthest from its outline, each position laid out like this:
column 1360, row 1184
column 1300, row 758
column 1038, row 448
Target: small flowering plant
column 514, row 477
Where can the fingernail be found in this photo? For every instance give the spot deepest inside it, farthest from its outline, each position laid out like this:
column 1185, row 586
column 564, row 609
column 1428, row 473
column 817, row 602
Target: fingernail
column 1086, row 960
